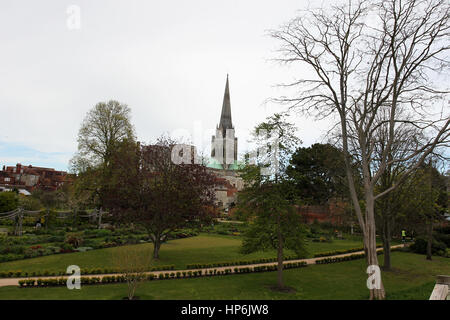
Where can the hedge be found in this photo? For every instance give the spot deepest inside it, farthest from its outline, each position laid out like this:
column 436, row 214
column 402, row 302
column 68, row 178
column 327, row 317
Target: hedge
column 45, row 273
column 267, row 260
column 337, row 252
column 340, row 259
column 237, row 263
column 28, row 283
column 350, row 257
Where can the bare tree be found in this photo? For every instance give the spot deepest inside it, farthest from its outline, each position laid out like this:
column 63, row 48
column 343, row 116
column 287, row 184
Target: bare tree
column 393, row 205
column 393, row 65
column 133, row 262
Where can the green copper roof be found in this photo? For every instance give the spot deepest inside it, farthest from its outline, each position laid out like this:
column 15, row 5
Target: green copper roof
column 214, row 164
column 237, row 165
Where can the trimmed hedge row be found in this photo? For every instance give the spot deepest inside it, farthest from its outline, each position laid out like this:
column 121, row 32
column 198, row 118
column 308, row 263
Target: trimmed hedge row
column 45, row 273
column 29, row 283
column 343, row 251
column 340, row 259
column 54, row 282
column 237, row 263
column 116, row 270
column 289, row 265
column 267, row 260
column 350, row 257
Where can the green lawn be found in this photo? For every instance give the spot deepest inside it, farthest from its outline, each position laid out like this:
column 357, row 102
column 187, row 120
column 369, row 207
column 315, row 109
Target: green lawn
column 412, row 278
column 200, row 249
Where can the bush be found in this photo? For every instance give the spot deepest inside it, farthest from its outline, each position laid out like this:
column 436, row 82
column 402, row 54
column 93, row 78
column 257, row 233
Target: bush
column 66, row 247
column 340, row 259
column 241, row 262
column 74, row 239
column 8, row 201
column 337, row 252
column 420, row 246
column 444, row 238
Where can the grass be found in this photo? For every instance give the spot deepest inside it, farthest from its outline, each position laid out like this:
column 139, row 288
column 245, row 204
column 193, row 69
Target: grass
column 204, row 249
column 412, row 278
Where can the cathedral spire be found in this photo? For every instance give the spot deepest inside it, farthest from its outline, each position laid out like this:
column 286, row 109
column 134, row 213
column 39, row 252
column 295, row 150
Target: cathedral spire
column 224, row 143
column 225, row 117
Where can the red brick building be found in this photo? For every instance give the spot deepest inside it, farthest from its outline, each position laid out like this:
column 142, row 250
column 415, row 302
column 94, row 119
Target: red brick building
column 31, row 178
column 333, row 212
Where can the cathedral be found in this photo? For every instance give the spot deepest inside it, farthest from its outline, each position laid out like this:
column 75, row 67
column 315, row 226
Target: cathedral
column 224, row 143
column 223, row 162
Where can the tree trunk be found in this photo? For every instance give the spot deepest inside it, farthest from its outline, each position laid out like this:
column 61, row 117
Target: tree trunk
column 387, row 244
column 280, row 259
column 430, row 240
column 100, row 218
column 156, row 246
column 370, row 242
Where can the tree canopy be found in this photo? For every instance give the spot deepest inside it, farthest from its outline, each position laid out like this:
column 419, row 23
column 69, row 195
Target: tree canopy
column 103, row 127
column 318, row 173
column 146, row 187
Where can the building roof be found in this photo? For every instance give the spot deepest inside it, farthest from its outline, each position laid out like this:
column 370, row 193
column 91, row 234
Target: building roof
column 225, row 117
column 214, row 164
column 24, row 192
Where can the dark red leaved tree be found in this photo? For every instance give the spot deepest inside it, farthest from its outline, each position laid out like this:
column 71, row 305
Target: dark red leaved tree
column 146, row 187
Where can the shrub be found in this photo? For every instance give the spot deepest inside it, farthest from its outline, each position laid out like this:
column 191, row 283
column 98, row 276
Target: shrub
column 74, row 239
column 420, row 246
column 444, row 238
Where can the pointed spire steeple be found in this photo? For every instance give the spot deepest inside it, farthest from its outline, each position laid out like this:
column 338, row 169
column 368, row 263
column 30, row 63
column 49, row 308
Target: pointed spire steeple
column 225, row 117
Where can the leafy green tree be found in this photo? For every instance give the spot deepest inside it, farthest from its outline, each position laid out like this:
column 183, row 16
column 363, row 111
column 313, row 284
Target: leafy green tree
column 318, row 173
column 274, row 222
column 427, row 202
column 8, row 201
column 104, row 127
column 30, row 203
column 48, row 199
column 268, row 193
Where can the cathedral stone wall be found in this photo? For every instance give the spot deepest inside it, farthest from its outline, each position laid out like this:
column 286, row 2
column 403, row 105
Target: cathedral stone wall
column 224, row 156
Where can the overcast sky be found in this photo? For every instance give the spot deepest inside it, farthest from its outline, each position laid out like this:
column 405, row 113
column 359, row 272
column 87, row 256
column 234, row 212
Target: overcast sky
column 167, row 60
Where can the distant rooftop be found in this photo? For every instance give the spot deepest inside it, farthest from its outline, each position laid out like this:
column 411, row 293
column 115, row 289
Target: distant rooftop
column 214, row 164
